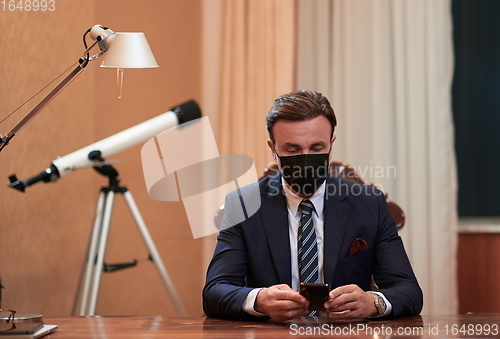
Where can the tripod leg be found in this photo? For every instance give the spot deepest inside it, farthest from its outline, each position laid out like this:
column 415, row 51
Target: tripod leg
column 101, row 251
column 91, row 259
column 154, row 254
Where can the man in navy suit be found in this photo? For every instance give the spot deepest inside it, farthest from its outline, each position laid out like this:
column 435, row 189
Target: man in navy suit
column 254, row 273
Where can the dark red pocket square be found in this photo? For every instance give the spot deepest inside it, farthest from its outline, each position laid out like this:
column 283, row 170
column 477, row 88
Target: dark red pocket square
column 357, row 246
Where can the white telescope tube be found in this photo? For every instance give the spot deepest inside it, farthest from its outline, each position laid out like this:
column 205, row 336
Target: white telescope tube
column 111, row 145
column 115, row 143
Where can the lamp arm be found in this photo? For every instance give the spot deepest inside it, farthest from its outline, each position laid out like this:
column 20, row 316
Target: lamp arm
column 82, row 63
column 52, row 94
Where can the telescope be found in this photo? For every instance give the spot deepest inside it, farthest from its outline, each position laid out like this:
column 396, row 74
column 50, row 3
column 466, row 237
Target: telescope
column 123, row 51
column 93, row 155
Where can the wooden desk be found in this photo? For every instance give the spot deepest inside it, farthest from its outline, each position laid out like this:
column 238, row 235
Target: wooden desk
column 151, row 327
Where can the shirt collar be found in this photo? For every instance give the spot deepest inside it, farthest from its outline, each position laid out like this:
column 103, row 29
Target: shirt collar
column 293, row 200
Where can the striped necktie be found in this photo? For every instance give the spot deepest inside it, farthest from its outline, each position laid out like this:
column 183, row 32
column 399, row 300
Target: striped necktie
column 307, row 247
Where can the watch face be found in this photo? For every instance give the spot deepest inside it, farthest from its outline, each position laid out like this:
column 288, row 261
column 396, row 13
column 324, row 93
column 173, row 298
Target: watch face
column 381, row 303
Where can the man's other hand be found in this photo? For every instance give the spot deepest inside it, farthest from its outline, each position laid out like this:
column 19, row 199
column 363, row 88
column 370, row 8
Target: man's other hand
column 350, row 301
column 281, row 303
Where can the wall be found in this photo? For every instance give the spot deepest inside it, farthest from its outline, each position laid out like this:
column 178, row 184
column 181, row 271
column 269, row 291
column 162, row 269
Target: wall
column 44, row 232
column 478, row 274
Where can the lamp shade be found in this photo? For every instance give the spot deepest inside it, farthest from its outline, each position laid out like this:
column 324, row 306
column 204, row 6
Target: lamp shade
column 129, row 50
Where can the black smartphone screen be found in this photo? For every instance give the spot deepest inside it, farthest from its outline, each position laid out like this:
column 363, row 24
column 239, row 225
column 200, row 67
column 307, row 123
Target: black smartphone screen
column 317, row 294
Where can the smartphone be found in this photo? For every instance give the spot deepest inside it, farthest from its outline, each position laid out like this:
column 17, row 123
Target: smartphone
column 317, row 294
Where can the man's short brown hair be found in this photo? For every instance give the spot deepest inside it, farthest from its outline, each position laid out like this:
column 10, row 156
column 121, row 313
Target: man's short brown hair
column 300, row 106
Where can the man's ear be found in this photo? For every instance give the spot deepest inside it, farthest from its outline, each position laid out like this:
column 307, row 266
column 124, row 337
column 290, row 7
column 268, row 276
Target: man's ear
column 333, row 139
column 271, row 147
column 270, row 143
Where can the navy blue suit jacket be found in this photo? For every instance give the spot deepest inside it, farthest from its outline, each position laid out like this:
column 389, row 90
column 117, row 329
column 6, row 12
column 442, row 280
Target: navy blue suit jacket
column 256, row 252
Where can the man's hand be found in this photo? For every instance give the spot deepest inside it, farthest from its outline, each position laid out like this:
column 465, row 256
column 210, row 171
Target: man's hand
column 350, row 301
column 281, row 303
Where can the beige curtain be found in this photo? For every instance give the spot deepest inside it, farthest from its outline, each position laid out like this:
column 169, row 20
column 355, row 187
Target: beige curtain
column 248, row 60
column 387, row 67
column 258, row 46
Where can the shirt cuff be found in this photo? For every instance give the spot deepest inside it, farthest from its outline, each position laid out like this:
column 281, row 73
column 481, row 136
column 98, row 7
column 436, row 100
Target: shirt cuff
column 388, row 310
column 248, row 304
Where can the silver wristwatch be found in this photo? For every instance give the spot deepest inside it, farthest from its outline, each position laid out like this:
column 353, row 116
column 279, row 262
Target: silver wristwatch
column 380, row 304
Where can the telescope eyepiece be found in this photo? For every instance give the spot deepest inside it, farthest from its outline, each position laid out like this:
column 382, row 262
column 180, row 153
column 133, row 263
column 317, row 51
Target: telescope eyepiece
column 50, row 174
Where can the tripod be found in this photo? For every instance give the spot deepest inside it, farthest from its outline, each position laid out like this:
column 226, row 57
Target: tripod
column 95, row 265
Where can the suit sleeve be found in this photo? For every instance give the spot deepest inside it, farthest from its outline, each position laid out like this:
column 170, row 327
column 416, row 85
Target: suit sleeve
column 392, row 269
column 225, row 292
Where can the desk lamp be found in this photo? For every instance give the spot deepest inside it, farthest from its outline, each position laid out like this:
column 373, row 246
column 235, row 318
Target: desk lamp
column 123, row 50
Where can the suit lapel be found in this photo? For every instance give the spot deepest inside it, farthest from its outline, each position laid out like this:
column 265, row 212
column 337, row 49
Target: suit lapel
column 335, row 215
column 274, row 214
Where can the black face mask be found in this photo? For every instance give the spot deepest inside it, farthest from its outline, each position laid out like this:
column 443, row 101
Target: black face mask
column 305, row 173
